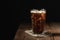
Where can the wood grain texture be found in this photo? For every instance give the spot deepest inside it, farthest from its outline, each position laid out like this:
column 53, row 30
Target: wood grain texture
column 21, row 35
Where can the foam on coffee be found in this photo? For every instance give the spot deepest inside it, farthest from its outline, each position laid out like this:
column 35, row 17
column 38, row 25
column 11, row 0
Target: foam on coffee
column 34, row 11
column 38, row 11
column 41, row 11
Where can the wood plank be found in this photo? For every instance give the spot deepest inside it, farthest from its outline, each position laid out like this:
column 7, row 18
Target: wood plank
column 20, row 35
column 57, row 37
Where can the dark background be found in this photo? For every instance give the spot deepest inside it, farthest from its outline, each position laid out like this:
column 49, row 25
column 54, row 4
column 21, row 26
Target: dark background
column 20, row 10
column 52, row 7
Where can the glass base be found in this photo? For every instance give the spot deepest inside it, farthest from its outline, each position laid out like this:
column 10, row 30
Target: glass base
column 30, row 32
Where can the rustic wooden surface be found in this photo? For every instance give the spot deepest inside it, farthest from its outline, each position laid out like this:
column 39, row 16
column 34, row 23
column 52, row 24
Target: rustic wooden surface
column 21, row 35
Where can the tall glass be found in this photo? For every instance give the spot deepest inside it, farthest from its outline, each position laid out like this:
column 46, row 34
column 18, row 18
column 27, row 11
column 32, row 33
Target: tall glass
column 38, row 18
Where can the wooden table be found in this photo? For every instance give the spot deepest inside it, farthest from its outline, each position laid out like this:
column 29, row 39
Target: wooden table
column 53, row 28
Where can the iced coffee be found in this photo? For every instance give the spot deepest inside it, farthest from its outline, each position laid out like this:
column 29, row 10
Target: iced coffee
column 38, row 18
